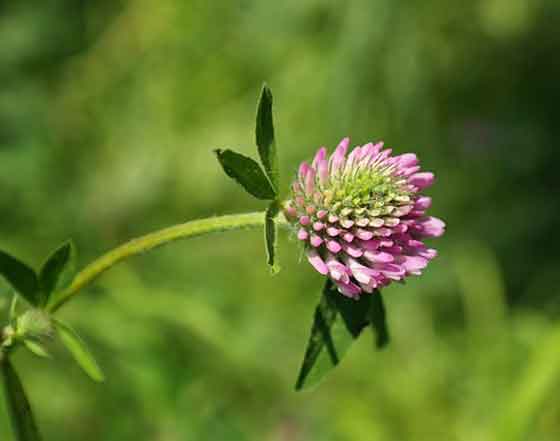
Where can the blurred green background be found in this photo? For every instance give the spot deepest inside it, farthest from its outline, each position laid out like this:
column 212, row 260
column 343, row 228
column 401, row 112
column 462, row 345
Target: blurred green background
column 109, row 111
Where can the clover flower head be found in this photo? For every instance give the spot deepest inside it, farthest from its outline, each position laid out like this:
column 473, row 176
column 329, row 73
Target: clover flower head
column 362, row 217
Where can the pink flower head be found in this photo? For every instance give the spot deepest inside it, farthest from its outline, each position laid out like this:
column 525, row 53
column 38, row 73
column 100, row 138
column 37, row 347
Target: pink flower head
column 362, row 216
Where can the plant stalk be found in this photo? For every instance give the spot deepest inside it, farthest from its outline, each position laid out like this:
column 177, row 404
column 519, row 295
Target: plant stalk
column 153, row 240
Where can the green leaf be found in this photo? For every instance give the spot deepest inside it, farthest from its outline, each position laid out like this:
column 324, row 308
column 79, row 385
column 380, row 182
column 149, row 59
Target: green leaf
column 79, row 351
column 246, row 172
column 56, row 270
column 265, row 137
column 23, row 423
column 22, row 278
column 378, row 319
column 13, row 308
column 36, row 348
column 338, row 321
column 270, row 235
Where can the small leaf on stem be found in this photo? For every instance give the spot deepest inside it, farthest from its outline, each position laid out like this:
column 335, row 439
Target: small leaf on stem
column 265, row 137
column 338, row 321
column 36, row 348
column 79, row 351
column 22, row 278
column 247, row 173
column 23, row 423
column 270, row 233
column 56, row 270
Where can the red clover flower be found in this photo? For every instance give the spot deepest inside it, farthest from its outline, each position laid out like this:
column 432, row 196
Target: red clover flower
column 362, row 216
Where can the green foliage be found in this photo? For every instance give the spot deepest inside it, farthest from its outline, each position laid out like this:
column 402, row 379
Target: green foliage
column 106, row 129
column 379, row 320
column 337, row 323
column 265, row 138
column 537, row 383
column 81, row 354
column 23, row 423
column 36, row 348
column 22, row 278
column 56, row 270
column 270, row 235
column 246, row 172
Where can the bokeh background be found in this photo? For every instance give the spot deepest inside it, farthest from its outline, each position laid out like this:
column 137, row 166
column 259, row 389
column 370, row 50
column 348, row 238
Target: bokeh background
column 109, row 111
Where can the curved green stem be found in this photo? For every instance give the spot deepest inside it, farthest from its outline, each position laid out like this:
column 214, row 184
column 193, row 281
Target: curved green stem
column 151, row 241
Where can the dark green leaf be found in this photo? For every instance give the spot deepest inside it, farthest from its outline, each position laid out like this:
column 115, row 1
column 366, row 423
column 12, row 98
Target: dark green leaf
column 265, row 137
column 79, row 351
column 338, row 321
column 246, row 172
column 22, row 278
column 56, row 270
column 270, row 235
column 23, row 423
column 379, row 320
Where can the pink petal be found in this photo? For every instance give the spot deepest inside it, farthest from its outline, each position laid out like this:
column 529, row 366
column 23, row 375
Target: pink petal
column 317, row 262
column 304, row 220
column 332, row 231
column 333, row 246
column 385, row 232
column 290, row 211
column 318, row 226
column 348, row 237
column 349, row 289
column 361, row 273
column 379, row 256
column 369, row 244
column 315, row 240
column 302, row 172
column 429, row 253
column 337, row 270
column 352, row 158
column 302, row 234
column 352, row 250
column 375, row 153
column 407, row 159
column 421, row 180
column 323, row 172
column 407, row 171
column 363, row 234
column 432, row 227
column 423, row 203
column 319, row 156
column 310, row 182
column 336, row 160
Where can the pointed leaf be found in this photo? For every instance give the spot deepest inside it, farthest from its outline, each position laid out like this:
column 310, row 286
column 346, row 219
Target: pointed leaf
column 338, row 321
column 56, row 270
column 265, row 137
column 13, row 307
column 246, row 172
column 79, row 351
column 378, row 318
column 36, row 348
column 270, row 236
column 22, row 278
column 23, row 423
